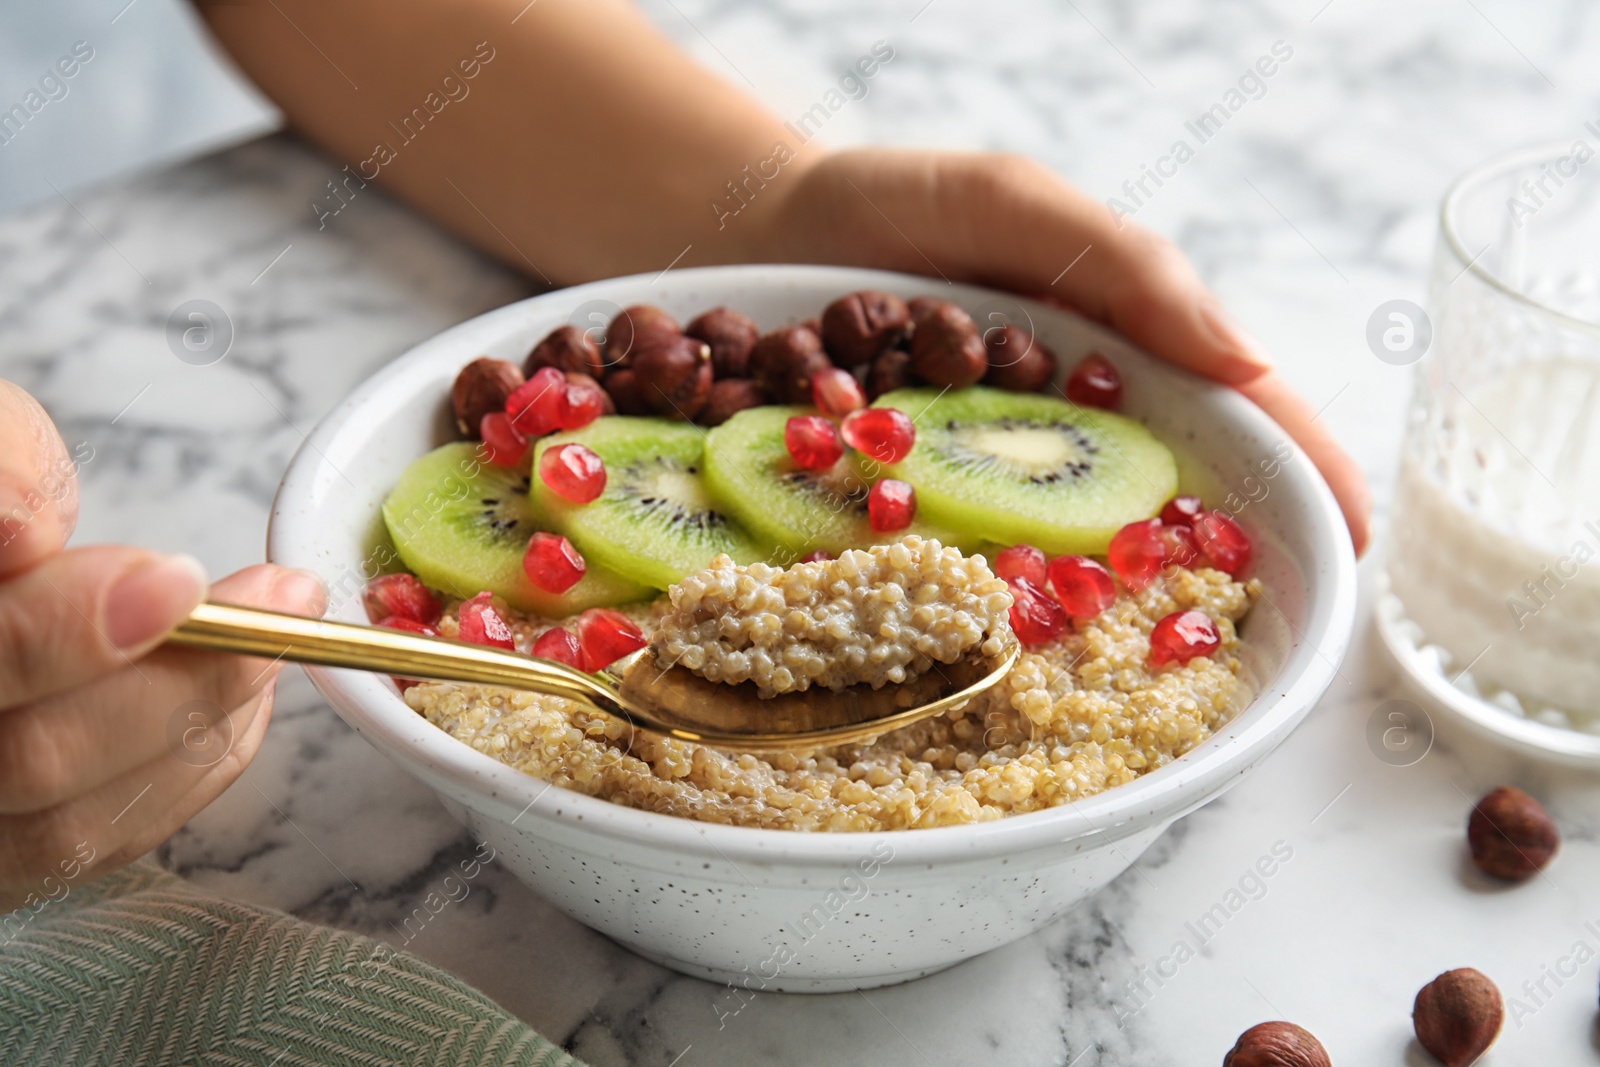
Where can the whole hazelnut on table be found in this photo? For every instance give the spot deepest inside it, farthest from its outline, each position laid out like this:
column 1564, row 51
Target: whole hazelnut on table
column 731, row 337
column 673, row 374
column 946, row 348
column 889, row 372
column 1277, row 1045
column 630, row 329
column 1511, row 836
column 783, row 361
column 1018, row 361
column 480, row 388
column 1457, row 1016
column 623, row 388
column 567, row 349
column 728, row 397
column 858, row 327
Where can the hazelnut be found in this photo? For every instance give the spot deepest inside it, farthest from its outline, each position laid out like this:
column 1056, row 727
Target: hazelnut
column 919, row 306
column 783, row 362
column 607, row 405
column 567, row 349
column 481, row 387
column 1457, row 1016
column 889, row 372
column 858, row 327
column 1277, row 1045
column 1018, row 361
column 673, row 375
column 730, row 395
column 630, row 329
column 623, row 388
column 731, row 336
column 1510, row 835
column 946, row 348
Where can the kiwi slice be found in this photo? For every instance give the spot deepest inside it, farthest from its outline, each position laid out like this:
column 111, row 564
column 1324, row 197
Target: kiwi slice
column 749, row 472
column 462, row 525
column 655, row 522
column 1020, row 468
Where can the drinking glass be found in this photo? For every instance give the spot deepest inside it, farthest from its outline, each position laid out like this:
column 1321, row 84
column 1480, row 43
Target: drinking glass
column 1494, row 554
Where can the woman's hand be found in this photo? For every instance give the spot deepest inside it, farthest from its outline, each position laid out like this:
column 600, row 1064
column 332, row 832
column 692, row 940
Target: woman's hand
column 1008, row 222
column 108, row 743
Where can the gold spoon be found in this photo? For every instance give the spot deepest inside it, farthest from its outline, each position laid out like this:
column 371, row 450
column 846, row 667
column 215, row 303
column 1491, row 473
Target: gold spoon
column 636, row 689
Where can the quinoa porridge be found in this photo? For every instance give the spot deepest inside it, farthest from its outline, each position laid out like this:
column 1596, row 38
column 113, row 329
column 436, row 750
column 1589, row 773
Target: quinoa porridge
column 1078, row 714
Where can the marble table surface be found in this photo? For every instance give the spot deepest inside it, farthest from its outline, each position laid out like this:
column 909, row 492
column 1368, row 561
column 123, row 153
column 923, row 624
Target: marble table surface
column 1310, row 208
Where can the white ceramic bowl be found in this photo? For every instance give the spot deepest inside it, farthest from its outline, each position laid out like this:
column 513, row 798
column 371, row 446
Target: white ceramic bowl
column 815, row 912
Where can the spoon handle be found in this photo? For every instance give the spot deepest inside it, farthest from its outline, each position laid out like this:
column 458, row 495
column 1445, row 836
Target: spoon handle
column 275, row 635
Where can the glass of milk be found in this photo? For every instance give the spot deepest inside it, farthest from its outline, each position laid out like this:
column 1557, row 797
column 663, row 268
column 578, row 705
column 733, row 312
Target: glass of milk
column 1494, row 554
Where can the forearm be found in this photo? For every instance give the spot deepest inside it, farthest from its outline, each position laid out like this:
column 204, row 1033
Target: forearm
column 582, row 145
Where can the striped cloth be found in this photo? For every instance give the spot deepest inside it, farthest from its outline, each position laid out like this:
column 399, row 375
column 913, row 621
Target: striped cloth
column 141, row 969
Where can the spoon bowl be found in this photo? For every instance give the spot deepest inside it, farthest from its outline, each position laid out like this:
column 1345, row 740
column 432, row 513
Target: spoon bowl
column 637, row 689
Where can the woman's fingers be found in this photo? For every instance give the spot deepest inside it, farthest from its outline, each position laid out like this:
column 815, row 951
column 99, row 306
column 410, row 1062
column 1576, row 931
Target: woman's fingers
column 1273, row 395
column 38, row 483
column 80, row 615
column 126, row 812
column 73, row 741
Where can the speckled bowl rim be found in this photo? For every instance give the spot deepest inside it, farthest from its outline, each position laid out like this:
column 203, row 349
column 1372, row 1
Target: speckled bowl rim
column 371, row 706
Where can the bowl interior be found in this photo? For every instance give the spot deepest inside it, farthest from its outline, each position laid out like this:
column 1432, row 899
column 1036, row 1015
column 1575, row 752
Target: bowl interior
column 326, row 519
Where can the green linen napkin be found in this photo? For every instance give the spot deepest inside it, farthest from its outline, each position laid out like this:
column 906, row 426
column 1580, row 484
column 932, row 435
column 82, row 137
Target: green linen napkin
column 142, row 969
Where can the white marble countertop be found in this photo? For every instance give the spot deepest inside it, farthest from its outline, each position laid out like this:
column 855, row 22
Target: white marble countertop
column 1314, row 205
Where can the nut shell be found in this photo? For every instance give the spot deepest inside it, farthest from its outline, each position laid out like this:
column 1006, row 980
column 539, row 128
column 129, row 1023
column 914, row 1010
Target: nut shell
column 631, row 329
column 481, row 387
column 1018, row 361
column 946, row 348
column 567, row 349
column 889, row 372
column 1511, row 836
column 623, row 388
column 673, row 375
column 1277, row 1045
column 1457, row 1016
column 729, row 396
column 783, row 362
column 731, row 337
column 859, row 327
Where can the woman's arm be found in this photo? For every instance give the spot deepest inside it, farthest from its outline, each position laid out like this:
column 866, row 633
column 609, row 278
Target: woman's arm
column 571, row 140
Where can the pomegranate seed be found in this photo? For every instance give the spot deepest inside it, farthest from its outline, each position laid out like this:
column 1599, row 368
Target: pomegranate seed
column 813, row 442
column 552, row 563
column 1020, row 561
column 1138, row 552
column 1182, row 636
column 816, row 557
column 480, row 623
column 560, row 644
column 402, row 596
column 502, row 444
column 1036, row 617
column 573, row 473
column 410, row 626
column 1181, row 510
column 1178, row 541
column 1084, row 588
column 1095, row 383
column 535, row 405
column 891, row 505
column 1225, row 545
column 580, row 405
column 836, row 393
column 605, row 636
column 885, row 434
